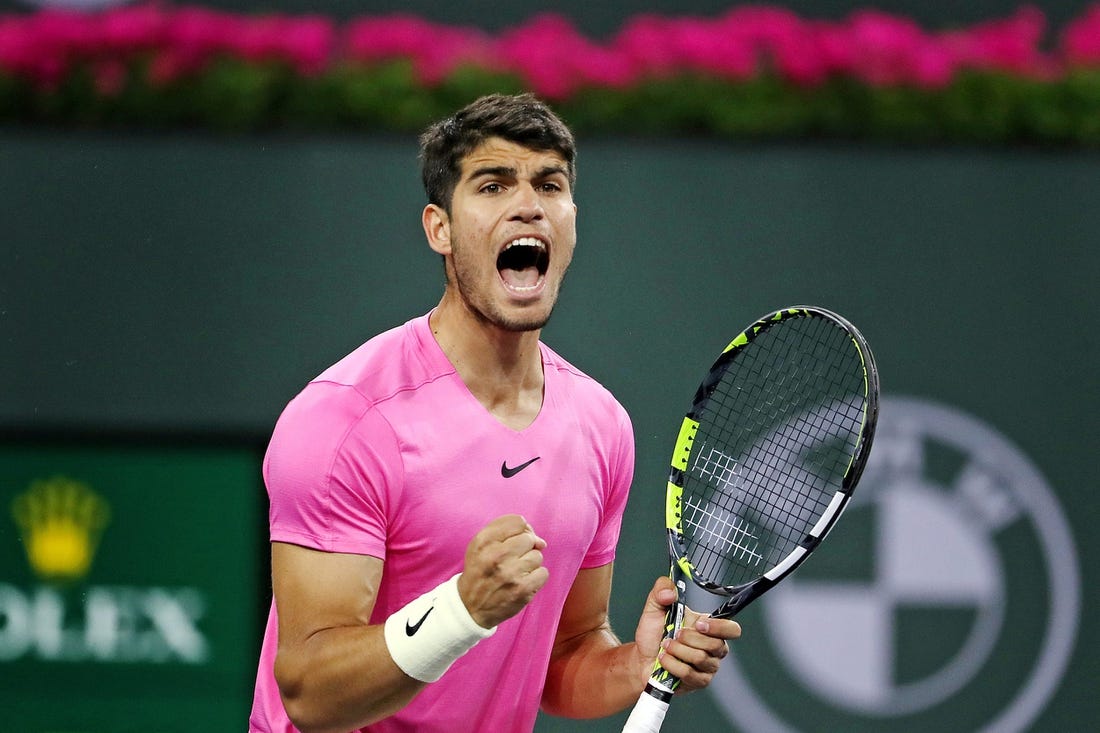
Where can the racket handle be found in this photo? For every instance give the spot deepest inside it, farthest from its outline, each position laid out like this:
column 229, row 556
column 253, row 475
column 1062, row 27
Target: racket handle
column 649, row 711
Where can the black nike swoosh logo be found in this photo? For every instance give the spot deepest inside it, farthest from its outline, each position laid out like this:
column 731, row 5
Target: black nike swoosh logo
column 413, row 628
column 510, row 472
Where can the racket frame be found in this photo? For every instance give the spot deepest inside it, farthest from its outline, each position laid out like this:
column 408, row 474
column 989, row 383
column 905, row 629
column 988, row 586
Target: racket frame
column 648, row 714
column 741, row 595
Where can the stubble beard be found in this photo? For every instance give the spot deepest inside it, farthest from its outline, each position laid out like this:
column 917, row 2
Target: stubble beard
column 481, row 306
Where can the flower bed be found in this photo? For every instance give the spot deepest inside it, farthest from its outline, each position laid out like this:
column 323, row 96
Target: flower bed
column 752, row 72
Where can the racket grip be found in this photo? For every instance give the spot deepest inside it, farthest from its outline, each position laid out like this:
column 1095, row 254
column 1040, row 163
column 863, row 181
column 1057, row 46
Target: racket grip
column 649, row 711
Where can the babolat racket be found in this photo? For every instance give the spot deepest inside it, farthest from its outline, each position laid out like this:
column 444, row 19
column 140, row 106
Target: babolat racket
column 765, row 462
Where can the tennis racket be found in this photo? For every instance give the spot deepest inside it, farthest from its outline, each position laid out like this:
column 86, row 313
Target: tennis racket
column 764, row 464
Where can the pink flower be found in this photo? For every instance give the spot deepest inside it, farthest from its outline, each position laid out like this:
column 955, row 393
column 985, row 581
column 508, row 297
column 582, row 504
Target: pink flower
column 1080, row 41
column 66, row 33
column 1009, row 44
column 606, row 67
column 932, row 65
column 890, row 50
column 548, row 52
column 436, row 50
column 717, row 48
column 657, row 46
column 42, row 46
column 16, row 45
column 130, row 29
column 306, row 42
column 194, row 35
column 257, row 39
column 781, row 41
column 837, row 54
column 645, row 43
column 309, row 43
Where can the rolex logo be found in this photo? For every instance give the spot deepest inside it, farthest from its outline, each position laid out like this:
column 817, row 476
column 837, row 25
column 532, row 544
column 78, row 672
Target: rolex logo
column 61, row 521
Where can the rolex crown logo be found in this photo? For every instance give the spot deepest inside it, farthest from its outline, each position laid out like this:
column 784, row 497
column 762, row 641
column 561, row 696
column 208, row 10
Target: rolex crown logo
column 61, row 521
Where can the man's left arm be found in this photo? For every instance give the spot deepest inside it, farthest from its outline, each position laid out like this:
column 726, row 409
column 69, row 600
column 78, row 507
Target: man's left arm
column 593, row 674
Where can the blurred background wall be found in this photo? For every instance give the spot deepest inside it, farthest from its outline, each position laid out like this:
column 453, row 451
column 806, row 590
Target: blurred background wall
column 164, row 293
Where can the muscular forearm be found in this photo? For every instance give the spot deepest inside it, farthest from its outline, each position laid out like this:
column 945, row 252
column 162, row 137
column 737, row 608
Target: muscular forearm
column 341, row 679
column 593, row 675
column 336, row 672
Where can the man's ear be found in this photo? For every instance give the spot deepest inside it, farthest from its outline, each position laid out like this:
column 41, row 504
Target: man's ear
column 437, row 229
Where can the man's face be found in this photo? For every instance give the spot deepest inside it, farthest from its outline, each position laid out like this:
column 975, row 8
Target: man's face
column 512, row 233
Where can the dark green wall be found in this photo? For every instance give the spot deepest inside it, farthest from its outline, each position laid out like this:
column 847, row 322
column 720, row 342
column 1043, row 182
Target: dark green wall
column 193, row 282
column 177, row 284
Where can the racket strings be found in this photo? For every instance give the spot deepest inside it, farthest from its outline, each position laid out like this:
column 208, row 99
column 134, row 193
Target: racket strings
column 729, row 535
column 775, row 440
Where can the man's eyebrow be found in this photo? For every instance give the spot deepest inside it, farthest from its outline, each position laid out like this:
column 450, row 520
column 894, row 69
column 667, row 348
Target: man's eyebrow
column 552, row 170
column 500, row 171
column 503, row 171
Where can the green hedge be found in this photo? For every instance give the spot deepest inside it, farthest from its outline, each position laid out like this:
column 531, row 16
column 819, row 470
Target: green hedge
column 105, row 83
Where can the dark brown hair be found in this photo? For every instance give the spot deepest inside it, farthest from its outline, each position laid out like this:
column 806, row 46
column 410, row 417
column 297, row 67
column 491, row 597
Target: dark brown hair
column 522, row 119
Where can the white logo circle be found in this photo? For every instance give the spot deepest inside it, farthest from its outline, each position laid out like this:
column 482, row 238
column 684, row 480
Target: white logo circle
column 946, row 523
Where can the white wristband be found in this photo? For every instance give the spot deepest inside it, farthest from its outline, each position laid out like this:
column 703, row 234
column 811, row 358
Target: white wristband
column 431, row 632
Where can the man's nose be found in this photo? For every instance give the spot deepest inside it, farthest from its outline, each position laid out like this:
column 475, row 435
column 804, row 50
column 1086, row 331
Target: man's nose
column 528, row 204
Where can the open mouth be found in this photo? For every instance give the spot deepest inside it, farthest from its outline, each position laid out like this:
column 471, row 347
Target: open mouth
column 523, row 263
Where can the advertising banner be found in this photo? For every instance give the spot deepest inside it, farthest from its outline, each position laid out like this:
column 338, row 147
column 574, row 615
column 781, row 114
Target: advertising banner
column 128, row 583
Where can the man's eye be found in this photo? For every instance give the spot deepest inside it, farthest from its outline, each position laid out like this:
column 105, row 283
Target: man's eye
column 491, row 188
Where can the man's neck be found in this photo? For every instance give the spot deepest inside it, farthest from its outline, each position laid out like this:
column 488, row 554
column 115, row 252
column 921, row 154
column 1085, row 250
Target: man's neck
column 502, row 369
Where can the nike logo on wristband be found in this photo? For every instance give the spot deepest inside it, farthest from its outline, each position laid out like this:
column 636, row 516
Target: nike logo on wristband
column 510, row 472
column 411, row 629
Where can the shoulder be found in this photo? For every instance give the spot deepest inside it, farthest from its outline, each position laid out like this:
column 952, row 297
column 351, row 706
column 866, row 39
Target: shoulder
column 394, row 361
column 586, row 392
column 343, row 403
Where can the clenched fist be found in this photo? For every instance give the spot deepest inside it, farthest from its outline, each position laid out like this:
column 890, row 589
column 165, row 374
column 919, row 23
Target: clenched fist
column 503, row 570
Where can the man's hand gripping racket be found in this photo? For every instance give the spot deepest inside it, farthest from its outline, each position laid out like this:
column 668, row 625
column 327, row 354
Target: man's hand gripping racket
column 765, row 461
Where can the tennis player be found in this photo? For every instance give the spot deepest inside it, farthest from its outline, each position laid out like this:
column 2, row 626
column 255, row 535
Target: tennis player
column 446, row 500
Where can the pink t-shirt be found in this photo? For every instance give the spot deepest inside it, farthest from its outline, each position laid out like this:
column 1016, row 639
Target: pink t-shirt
column 388, row 454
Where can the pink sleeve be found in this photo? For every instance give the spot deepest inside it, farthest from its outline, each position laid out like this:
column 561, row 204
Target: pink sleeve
column 620, row 474
column 331, row 470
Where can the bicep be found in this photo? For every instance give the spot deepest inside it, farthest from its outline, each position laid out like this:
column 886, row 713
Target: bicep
column 315, row 591
column 333, row 668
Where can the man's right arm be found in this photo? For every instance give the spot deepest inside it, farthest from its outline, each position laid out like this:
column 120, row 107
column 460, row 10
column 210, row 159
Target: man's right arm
column 333, row 668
